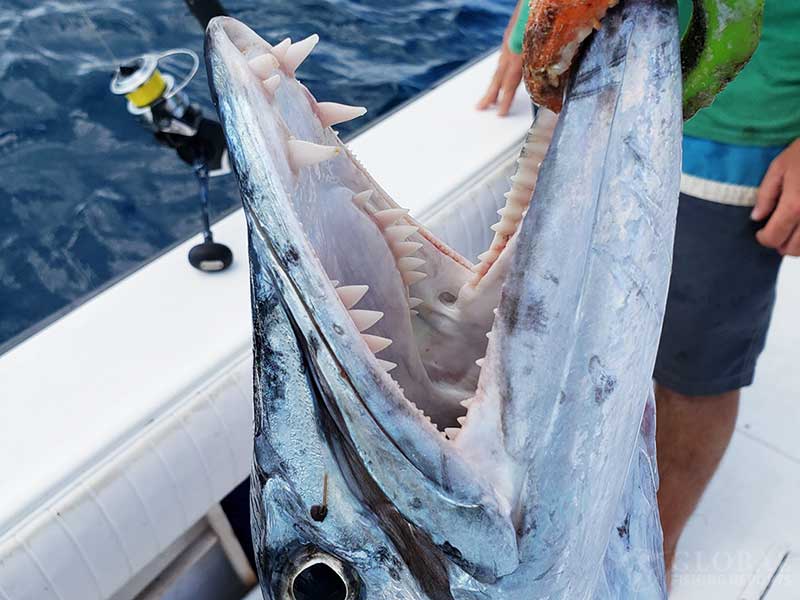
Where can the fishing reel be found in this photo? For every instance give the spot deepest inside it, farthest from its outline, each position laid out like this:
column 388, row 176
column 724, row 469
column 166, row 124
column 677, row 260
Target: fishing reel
column 154, row 88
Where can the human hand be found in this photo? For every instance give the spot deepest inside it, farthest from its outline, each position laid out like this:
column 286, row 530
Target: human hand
column 504, row 83
column 507, row 76
column 779, row 195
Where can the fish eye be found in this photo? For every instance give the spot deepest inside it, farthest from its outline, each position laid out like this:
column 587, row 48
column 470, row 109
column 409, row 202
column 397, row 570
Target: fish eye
column 319, row 582
column 321, row 577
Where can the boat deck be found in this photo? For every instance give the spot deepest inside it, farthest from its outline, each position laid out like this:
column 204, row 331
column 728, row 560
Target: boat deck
column 131, row 414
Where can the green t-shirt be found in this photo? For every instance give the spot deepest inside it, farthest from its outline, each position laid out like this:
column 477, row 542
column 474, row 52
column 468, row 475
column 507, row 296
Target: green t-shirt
column 515, row 39
column 761, row 107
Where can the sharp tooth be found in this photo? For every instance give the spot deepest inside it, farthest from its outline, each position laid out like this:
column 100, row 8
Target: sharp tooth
column 360, row 199
column 467, row 403
column 271, row 83
column 298, row 52
column 304, row 154
column 409, row 263
column 332, row 113
column 414, row 302
column 364, row 319
column 263, row 65
column 489, row 334
column 376, row 343
column 279, row 50
column 452, row 432
column 398, row 233
column 504, row 227
column 461, row 420
column 511, row 212
column 412, row 277
column 389, row 216
column 499, row 241
column 402, row 249
column 517, row 197
column 334, row 282
column 526, row 180
column 386, row 365
column 488, row 255
column 351, row 294
column 480, row 362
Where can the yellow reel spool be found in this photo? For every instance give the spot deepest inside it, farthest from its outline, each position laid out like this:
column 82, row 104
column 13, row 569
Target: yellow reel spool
column 150, row 91
column 141, row 81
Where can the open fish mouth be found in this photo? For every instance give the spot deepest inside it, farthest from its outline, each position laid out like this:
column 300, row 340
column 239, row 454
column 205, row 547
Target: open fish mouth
column 407, row 319
column 422, row 313
column 419, row 314
column 472, row 413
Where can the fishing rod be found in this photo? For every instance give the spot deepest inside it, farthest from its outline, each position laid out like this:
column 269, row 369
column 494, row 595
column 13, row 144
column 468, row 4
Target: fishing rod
column 154, row 87
column 205, row 10
column 209, row 255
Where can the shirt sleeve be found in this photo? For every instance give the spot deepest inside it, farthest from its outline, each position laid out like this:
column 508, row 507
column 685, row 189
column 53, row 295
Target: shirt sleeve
column 515, row 40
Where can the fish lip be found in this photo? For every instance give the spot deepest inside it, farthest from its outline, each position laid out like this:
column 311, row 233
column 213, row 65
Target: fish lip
column 227, row 25
column 217, row 34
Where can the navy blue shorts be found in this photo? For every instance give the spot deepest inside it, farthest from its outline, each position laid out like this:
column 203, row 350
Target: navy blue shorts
column 720, row 300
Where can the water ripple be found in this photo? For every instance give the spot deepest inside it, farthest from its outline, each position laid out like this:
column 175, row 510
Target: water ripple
column 86, row 195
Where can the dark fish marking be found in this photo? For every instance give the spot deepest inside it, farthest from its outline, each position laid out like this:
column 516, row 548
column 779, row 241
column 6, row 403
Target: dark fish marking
column 604, row 382
column 291, row 256
column 531, row 315
column 524, row 529
column 624, row 531
column 313, row 343
column 390, row 561
column 452, row 551
column 535, row 315
column 544, row 573
column 550, row 276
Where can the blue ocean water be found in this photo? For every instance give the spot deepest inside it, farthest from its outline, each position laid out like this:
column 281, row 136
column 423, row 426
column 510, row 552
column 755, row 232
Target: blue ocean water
column 87, row 195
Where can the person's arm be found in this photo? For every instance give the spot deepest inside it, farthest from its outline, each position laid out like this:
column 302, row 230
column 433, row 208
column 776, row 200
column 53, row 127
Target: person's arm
column 508, row 74
column 779, row 196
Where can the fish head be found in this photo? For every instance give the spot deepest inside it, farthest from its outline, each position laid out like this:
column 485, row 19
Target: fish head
column 399, row 404
column 392, row 370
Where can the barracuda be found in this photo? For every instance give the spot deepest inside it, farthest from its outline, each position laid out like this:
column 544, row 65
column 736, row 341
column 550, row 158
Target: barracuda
column 426, row 427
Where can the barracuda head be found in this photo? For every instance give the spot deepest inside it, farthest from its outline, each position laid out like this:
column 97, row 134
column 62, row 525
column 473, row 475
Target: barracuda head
column 430, row 428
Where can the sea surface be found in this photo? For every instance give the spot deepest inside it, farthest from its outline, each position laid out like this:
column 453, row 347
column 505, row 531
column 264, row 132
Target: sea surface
column 87, row 195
